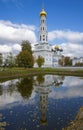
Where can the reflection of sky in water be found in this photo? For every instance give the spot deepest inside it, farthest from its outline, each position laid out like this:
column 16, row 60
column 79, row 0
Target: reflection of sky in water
column 24, row 113
column 72, row 87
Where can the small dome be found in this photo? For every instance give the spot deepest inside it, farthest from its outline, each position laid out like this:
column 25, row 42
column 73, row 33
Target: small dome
column 56, row 47
column 57, row 85
column 43, row 13
column 44, row 122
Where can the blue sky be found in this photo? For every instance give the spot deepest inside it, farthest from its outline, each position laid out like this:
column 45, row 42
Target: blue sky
column 19, row 20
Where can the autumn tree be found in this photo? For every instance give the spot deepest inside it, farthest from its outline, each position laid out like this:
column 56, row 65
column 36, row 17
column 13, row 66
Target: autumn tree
column 40, row 61
column 24, row 86
column 61, row 61
column 25, row 57
column 40, row 78
column 68, row 61
column 1, row 90
column 65, row 61
column 79, row 64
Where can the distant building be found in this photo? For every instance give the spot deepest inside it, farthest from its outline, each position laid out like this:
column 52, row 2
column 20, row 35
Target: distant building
column 76, row 60
column 43, row 48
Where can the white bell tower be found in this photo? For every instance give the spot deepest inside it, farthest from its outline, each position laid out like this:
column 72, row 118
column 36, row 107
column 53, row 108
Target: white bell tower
column 43, row 34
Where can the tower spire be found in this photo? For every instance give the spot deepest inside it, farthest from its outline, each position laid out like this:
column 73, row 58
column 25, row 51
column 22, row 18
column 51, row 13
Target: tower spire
column 42, row 6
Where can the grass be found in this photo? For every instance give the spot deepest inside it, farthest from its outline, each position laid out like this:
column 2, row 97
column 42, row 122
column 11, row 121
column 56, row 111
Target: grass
column 19, row 72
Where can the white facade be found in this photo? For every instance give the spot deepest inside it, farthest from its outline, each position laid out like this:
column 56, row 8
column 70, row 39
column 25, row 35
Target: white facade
column 43, row 48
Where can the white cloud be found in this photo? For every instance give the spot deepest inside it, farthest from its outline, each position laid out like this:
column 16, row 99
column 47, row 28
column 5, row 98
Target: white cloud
column 5, row 48
column 15, row 32
column 73, row 41
column 67, row 35
column 68, row 93
column 71, row 81
column 73, row 50
column 72, row 87
column 17, row 47
column 11, row 35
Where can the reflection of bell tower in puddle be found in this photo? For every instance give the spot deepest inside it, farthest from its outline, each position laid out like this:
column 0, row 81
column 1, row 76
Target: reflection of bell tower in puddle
column 43, row 103
column 43, row 88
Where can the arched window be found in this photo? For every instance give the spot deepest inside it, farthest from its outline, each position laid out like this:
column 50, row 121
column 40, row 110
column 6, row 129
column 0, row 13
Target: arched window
column 46, row 38
column 40, row 38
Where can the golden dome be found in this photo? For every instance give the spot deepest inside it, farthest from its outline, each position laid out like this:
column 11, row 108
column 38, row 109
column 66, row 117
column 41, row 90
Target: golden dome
column 43, row 122
column 56, row 47
column 43, row 13
column 56, row 85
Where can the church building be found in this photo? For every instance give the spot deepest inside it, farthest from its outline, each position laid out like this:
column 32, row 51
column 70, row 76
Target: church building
column 43, row 48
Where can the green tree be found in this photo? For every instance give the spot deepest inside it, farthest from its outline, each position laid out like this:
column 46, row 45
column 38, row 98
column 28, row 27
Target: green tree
column 40, row 61
column 26, row 46
column 1, row 59
column 25, row 57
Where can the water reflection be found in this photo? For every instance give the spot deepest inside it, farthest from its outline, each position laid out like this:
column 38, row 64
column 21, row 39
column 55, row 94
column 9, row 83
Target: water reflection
column 24, row 87
column 72, row 87
column 1, row 90
column 43, row 88
column 77, row 123
column 42, row 101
